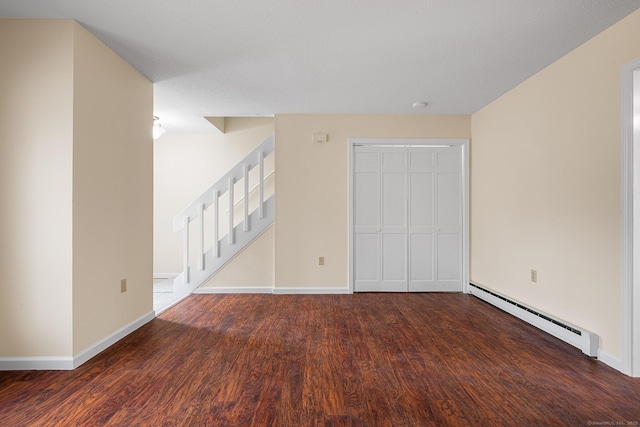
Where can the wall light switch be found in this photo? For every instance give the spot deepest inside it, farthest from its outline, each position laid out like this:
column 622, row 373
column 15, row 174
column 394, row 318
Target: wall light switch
column 534, row 275
column 320, row 260
column 123, row 285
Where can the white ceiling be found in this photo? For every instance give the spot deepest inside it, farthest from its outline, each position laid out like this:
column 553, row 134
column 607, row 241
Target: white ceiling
column 252, row 58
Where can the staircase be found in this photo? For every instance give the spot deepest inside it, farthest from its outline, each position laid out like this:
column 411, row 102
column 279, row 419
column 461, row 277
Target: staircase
column 228, row 216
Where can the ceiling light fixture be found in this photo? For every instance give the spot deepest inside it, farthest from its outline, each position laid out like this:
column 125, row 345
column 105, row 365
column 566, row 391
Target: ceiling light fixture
column 419, row 104
column 158, row 130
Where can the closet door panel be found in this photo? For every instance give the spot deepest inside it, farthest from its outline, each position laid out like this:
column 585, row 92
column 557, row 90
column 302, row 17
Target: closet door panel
column 407, row 218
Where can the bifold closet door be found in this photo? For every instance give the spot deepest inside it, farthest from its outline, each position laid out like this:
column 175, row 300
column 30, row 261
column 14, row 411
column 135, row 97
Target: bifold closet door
column 407, row 219
column 380, row 219
column 435, row 219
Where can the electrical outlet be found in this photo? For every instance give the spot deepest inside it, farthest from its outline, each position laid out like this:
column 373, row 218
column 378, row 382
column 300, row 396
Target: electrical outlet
column 320, row 260
column 534, row 276
column 123, row 285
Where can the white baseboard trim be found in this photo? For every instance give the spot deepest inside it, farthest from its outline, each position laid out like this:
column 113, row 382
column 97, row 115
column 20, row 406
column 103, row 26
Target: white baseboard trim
column 248, row 290
column 610, row 360
column 171, row 304
column 107, row 342
column 45, row 363
column 267, row 290
column 36, row 363
column 165, row 275
column 312, row 291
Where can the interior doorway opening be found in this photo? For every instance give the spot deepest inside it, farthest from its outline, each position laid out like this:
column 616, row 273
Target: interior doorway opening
column 631, row 218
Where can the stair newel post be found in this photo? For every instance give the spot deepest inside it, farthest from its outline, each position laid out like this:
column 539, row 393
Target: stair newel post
column 216, row 229
column 185, row 249
column 245, row 170
column 201, row 238
column 231, row 231
column 261, row 185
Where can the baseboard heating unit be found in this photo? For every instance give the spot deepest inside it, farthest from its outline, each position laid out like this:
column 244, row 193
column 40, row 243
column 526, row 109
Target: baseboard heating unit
column 586, row 341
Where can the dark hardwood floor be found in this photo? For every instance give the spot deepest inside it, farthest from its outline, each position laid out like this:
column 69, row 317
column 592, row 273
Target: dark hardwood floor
column 328, row 360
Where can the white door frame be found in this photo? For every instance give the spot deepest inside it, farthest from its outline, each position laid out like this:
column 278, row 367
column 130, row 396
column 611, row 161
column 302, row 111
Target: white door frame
column 630, row 224
column 464, row 144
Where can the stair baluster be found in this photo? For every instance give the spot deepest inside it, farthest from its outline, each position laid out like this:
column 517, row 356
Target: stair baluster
column 253, row 222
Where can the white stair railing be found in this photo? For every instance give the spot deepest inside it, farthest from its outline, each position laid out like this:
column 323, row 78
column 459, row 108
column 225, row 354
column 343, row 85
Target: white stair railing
column 242, row 229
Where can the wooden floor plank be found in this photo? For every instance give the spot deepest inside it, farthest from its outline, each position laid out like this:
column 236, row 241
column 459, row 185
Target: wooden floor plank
column 327, row 360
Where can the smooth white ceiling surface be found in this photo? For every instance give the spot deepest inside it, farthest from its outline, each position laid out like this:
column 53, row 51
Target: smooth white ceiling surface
column 248, row 58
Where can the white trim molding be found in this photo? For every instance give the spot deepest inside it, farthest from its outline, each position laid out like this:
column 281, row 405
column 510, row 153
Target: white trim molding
column 69, row 363
column 165, row 275
column 237, row 290
column 630, row 362
column 108, row 341
column 312, row 291
column 171, row 304
column 277, row 290
column 610, row 360
column 36, row 363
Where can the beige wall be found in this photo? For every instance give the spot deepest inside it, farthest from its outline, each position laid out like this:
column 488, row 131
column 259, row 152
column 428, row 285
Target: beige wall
column 75, row 190
column 312, row 216
column 545, row 187
column 36, row 112
column 184, row 167
column 112, row 192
